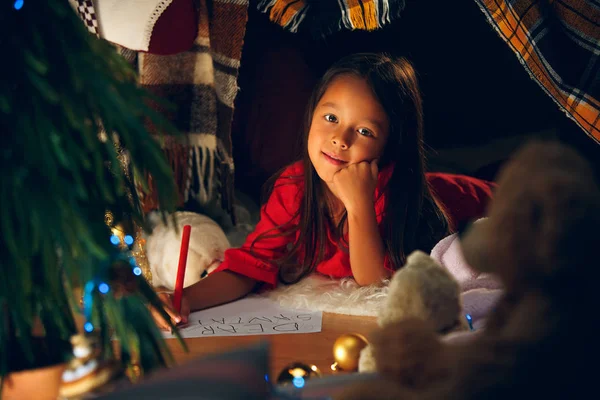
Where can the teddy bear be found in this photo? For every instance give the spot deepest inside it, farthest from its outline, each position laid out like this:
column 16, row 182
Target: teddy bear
column 423, row 289
column 540, row 339
column 208, row 243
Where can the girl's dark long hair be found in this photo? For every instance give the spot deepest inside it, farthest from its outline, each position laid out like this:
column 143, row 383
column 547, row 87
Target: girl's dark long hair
column 413, row 218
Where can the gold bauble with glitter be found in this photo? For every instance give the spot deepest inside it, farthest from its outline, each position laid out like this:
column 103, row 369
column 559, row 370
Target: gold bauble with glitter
column 346, row 351
column 88, row 370
column 297, row 374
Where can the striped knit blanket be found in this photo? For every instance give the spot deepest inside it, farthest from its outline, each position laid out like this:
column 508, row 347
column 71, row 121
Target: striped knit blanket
column 558, row 43
column 322, row 17
column 202, row 82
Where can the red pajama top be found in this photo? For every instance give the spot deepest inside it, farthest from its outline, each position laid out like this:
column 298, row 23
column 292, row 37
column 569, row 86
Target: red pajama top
column 465, row 198
column 276, row 216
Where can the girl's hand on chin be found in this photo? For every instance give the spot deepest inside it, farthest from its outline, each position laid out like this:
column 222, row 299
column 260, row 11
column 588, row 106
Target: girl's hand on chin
column 355, row 184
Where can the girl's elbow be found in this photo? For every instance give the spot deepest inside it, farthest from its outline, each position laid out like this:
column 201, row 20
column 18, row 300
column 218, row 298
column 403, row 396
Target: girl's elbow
column 364, row 281
column 374, row 280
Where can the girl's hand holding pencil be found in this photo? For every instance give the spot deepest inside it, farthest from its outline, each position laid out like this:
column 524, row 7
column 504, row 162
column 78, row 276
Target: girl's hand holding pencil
column 176, row 317
column 175, row 303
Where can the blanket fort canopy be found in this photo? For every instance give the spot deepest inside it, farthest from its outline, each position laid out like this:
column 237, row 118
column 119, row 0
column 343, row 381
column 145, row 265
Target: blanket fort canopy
column 322, row 17
column 558, row 43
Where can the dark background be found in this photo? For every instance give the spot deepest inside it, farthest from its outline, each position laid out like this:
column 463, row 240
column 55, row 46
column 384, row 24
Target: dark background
column 480, row 103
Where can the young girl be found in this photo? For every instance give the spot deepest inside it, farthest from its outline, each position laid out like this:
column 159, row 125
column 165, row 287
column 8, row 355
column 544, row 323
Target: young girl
column 357, row 204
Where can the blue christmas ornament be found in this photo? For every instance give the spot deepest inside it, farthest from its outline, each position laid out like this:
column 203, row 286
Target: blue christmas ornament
column 88, row 327
column 297, row 374
column 298, row 382
column 103, row 288
column 114, row 239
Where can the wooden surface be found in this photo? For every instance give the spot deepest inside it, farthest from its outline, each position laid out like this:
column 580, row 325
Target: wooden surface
column 309, row 348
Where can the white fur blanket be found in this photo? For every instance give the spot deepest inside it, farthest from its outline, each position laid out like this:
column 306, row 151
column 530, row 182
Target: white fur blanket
column 479, row 292
column 318, row 292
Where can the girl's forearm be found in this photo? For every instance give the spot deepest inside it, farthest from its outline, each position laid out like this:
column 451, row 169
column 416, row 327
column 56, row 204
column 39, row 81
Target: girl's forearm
column 218, row 288
column 367, row 252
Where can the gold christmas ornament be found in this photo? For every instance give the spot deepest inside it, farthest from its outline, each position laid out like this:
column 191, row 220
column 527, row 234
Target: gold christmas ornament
column 88, row 370
column 346, row 351
column 297, row 374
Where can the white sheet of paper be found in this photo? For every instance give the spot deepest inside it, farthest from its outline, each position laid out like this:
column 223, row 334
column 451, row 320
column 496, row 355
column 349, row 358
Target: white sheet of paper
column 250, row 316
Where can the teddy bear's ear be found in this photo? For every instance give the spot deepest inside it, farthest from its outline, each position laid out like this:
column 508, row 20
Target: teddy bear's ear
column 568, row 227
column 543, row 217
column 476, row 242
column 567, row 212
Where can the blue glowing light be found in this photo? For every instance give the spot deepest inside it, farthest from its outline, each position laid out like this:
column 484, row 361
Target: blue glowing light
column 89, row 286
column 114, row 239
column 128, row 240
column 88, row 327
column 298, row 382
column 470, row 321
column 18, row 4
column 266, row 377
column 103, row 288
column 137, row 271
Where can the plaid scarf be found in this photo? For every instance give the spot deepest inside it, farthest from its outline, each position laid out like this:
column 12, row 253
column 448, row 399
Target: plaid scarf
column 558, row 43
column 202, row 83
column 322, row 17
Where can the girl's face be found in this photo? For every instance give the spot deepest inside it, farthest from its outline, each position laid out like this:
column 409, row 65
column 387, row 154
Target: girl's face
column 348, row 126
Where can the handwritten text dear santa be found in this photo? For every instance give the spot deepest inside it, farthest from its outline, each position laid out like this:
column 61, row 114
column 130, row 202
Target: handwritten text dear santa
column 251, row 316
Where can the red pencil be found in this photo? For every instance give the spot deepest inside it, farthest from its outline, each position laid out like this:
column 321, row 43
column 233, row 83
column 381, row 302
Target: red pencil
column 183, row 253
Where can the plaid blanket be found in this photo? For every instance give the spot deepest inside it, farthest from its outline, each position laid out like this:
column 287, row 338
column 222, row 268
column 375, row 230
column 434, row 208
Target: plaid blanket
column 558, row 43
column 322, row 17
column 202, row 83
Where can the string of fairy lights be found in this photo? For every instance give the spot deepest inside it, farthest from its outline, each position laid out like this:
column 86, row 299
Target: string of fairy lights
column 123, row 242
